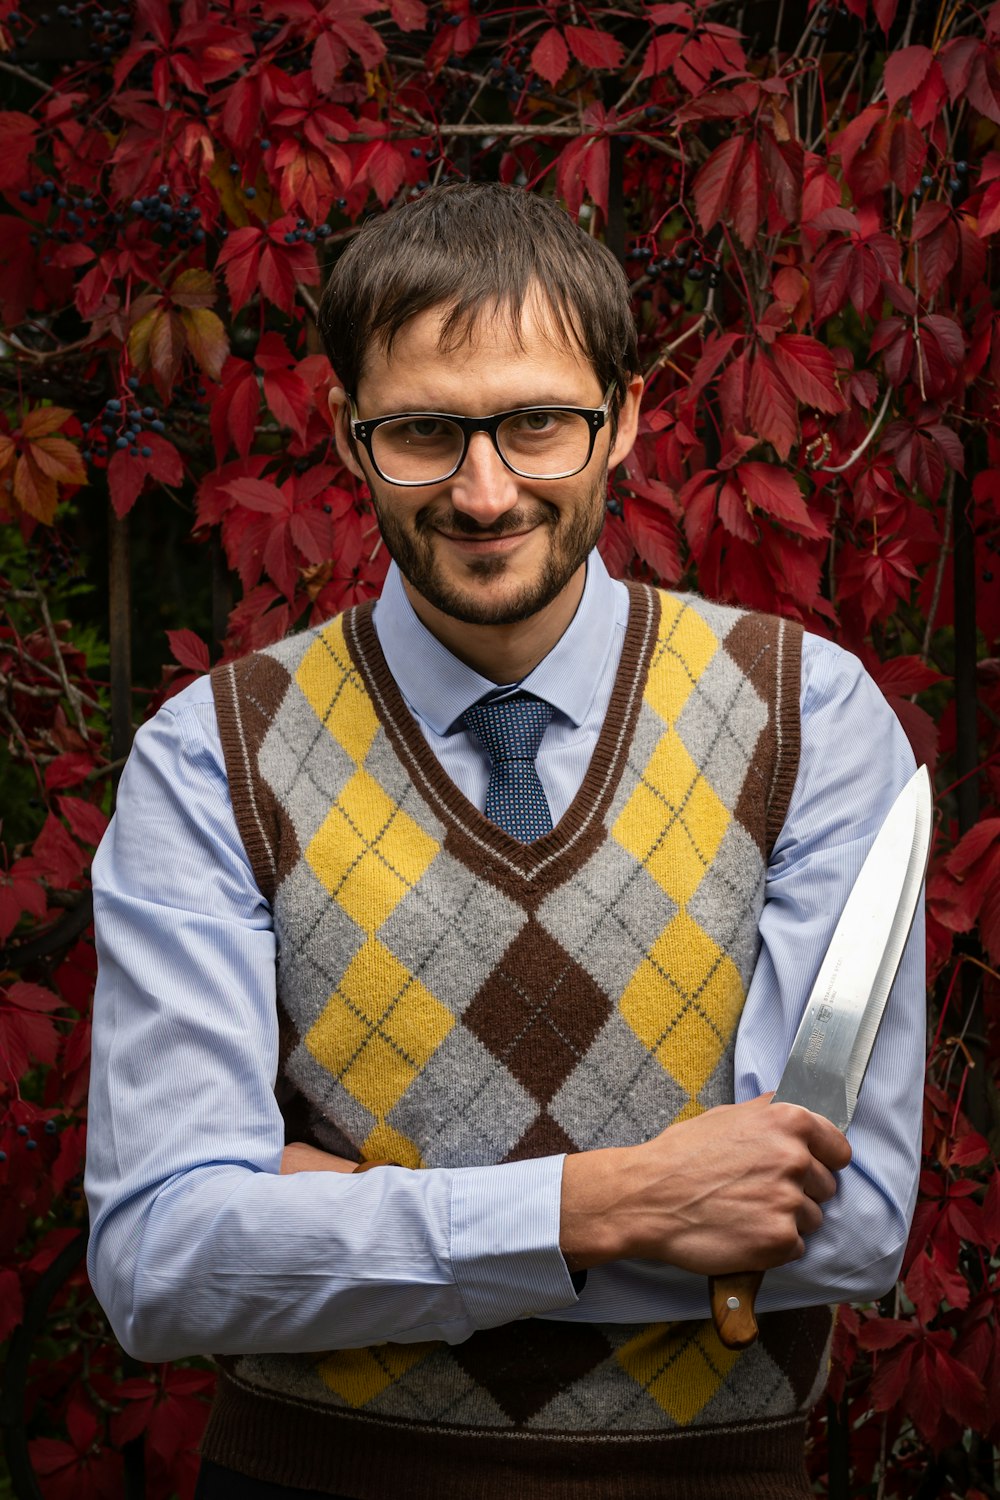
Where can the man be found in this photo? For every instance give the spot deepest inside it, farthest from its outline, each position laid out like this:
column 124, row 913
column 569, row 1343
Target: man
column 520, row 879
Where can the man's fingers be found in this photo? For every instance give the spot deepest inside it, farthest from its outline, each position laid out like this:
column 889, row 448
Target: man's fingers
column 820, row 1184
column 808, row 1219
column 825, row 1142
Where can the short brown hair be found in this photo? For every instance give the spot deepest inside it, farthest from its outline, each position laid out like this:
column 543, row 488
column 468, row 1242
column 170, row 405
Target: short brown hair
column 477, row 248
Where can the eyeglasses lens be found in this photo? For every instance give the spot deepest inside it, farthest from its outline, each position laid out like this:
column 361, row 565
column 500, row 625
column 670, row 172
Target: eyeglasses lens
column 540, row 444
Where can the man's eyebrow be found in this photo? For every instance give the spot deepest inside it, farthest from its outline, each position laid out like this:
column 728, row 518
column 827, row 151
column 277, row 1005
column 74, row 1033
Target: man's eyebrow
column 545, row 399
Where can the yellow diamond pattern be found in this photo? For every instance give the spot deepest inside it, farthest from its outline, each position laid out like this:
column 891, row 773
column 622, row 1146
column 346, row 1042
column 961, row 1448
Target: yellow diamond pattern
column 332, row 687
column 385, row 1144
column 691, row 644
column 686, row 978
column 673, row 822
column 681, row 1365
column 377, row 1030
column 359, row 1375
column 368, row 853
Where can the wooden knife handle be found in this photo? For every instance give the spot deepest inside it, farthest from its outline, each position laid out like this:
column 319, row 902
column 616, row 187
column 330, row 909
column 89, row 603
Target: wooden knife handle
column 732, row 1299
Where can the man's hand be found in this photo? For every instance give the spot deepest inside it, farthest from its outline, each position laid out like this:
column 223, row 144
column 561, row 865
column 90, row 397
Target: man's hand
column 734, row 1189
column 299, row 1157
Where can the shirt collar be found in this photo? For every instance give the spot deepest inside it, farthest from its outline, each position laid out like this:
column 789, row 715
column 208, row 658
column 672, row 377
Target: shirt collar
column 438, row 687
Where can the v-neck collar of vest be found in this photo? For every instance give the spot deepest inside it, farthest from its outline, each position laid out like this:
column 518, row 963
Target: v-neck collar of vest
column 549, row 859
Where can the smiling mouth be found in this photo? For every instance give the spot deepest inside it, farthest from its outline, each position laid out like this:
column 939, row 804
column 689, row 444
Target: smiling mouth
column 486, row 541
column 461, row 529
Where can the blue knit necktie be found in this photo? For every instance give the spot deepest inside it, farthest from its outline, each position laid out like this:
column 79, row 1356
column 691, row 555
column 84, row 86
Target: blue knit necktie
column 511, row 729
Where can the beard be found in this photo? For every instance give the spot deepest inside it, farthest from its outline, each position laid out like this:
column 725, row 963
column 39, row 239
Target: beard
column 572, row 536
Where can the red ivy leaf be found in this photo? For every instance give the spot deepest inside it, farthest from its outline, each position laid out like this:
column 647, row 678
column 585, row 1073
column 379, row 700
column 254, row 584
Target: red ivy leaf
column 905, row 71
column 385, row 168
column 57, row 858
column 775, row 492
column 933, row 1279
column 68, row 769
column 661, row 53
column 903, row 675
column 771, row 407
column 17, row 141
column 128, row 472
column 655, row 536
column 595, row 49
column 809, row 368
column 189, row 649
column 409, row 15
column 749, row 194
column 26, row 1035
column 550, row 56
column 86, row 821
column 714, row 182
column 907, row 154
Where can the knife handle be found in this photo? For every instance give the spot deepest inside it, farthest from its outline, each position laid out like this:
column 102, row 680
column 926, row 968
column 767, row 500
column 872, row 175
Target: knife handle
column 732, row 1298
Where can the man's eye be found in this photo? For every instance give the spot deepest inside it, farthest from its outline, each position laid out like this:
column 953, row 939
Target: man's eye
column 537, row 421
column 424, row 427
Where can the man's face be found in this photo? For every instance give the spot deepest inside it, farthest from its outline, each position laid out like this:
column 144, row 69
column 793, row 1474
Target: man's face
column 486, row 546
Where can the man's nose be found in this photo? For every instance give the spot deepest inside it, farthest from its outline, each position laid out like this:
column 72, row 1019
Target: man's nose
column 484, row 488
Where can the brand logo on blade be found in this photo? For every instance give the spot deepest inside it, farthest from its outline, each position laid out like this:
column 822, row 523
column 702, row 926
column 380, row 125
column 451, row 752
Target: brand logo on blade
column 822, row 1017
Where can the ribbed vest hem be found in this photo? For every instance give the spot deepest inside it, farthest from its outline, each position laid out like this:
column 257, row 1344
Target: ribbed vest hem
column 295, row 1444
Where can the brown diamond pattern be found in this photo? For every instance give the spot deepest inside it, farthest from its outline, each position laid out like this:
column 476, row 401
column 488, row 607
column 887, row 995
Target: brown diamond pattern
column 525, row 1365
column 538, row 1012
column 543, row 1137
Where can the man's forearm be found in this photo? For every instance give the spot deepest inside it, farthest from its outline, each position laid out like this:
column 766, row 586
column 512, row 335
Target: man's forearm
column 736, row 1188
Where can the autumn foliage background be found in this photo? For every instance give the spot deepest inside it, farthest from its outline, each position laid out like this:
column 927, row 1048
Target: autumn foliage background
column 807, row 202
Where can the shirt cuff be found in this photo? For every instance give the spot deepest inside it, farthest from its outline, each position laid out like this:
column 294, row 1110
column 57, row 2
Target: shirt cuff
column 505, row 1252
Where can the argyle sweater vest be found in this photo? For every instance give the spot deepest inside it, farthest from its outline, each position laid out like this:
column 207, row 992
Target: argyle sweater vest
column 451, row 997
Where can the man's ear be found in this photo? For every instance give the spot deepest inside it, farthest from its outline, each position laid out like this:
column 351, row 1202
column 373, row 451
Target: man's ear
column 628, row 422
column 340, row 416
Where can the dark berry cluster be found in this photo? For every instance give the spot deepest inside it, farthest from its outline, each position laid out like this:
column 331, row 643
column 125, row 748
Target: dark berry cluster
column 507, row 74
column 179, row 224
column 113, row 27
column 302, row 230
column 75, row 217
column 120, row 426
column 684, row 262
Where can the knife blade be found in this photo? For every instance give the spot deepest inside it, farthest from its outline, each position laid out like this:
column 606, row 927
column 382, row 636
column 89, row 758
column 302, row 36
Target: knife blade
column 834, row 1042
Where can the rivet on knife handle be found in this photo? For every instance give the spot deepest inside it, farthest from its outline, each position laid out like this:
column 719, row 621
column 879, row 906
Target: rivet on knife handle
column 732, row 1299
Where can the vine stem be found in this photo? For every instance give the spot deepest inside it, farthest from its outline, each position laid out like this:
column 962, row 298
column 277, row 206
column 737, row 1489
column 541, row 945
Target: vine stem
column 839, row 468
column 497, row 131
column 663, row 358
column 71, row 691
column 25, row 76
column 938, row 575
column 42, row 356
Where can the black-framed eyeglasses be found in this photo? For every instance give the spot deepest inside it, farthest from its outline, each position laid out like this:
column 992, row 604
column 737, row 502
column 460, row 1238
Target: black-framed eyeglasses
column 535, row 442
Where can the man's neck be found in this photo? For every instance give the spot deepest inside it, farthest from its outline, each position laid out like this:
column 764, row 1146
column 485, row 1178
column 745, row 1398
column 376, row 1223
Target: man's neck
column 502, row 653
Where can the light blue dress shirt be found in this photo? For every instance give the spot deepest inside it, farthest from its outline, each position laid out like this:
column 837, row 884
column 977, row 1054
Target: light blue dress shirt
column 199, row 1245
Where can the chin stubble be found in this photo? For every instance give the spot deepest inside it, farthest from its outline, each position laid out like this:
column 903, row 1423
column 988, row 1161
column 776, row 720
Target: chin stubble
column 570, row 543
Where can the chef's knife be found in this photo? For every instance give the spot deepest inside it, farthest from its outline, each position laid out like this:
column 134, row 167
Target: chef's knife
column 835, row 1038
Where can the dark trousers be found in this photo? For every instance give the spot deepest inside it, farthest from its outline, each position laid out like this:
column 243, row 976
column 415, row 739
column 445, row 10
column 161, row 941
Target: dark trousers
column 215, row 1483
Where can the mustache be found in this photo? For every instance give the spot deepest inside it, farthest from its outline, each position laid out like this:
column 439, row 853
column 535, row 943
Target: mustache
column 456, row 521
